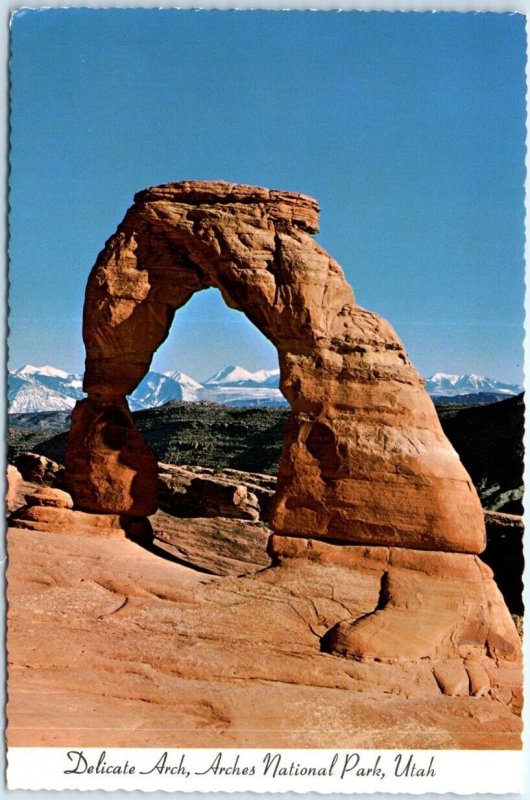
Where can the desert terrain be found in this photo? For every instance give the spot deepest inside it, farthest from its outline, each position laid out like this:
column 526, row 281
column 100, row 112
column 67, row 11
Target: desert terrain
column 194, row 640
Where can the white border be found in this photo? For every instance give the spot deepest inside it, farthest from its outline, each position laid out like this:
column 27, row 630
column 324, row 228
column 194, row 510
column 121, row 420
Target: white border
column 260, row 770
column 459, row 764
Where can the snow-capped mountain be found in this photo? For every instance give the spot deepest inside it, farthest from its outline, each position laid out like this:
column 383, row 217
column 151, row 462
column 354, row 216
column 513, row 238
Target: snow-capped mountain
column 237, row 376
column 43, row 372
column 28, row 395
column 156, row 390
column 34, row 389
column 255, row 395
column 236, row 386
column 189, row 387
column 57, row 380
column 452, row 385
column 229, row 376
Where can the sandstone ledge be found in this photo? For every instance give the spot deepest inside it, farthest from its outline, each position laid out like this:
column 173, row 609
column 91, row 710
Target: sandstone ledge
column 293, row 207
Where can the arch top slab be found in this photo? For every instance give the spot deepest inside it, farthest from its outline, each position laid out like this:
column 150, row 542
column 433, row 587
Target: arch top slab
column 291, row 207
column 364, row 457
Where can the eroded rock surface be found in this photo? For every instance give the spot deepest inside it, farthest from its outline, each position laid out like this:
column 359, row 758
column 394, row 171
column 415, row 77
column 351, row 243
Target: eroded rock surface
column 37, row 468
column 364, row 458
column 110, row 644
column 51, row 511
column 216, row 545
column 198, row 492
column 442, row 611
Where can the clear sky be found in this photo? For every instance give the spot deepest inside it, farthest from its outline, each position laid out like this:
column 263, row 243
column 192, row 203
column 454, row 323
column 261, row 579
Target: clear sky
column 407, row 127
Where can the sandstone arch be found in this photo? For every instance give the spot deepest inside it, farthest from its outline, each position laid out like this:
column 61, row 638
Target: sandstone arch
column 364, row 459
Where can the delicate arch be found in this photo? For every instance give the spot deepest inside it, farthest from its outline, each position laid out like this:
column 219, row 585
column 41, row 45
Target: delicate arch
column 364, row 458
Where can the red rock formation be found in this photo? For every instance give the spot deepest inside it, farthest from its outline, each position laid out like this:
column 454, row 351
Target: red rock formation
column 13, row 483
column 364, row 457
column 442, row 610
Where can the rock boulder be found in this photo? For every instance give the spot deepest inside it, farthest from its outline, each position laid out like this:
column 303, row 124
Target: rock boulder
column 36, row 468
column 199, row 492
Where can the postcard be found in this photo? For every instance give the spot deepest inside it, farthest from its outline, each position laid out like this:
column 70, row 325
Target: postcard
column 265, row 401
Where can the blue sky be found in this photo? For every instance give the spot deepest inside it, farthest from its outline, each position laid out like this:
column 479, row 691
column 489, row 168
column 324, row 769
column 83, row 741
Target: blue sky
column 407, row 127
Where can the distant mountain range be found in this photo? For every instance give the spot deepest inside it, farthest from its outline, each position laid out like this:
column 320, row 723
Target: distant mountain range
column 34, row 389
column 456, row 385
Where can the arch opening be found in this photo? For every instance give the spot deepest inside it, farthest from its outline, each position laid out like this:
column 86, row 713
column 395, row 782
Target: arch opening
column 223, row 375
column 207, row 336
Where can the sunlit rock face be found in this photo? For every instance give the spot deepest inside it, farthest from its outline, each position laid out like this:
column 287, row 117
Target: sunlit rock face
column 364, row 457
